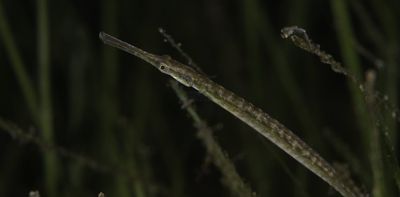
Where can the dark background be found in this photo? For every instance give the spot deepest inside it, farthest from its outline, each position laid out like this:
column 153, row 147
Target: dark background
column 93, row 100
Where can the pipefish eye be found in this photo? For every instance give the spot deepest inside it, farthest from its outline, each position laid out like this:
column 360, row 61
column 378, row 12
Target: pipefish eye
column 163, row 63
column 162, row 67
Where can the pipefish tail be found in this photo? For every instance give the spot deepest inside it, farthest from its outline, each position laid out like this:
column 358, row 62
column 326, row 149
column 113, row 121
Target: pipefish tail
column 246, row 112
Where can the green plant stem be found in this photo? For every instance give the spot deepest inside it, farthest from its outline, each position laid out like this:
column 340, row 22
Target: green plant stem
column 257, row 168
column 252, row 43
column 279, row 61
column 260, row 24
column 108, row 102
column 390, row 48
column 132, row 160
column 386, row 15
column 365, row 121
column 46, row 122
column 17, row 64
column 140, row 163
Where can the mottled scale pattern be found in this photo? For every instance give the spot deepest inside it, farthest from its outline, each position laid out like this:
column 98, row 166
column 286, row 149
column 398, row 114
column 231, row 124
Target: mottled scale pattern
column 276, row 132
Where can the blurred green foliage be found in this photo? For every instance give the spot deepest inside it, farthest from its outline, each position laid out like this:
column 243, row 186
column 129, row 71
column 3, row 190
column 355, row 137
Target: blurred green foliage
column 60, row 83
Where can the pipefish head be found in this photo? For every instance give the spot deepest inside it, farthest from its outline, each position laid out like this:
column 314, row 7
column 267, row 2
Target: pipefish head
column 180, row 72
